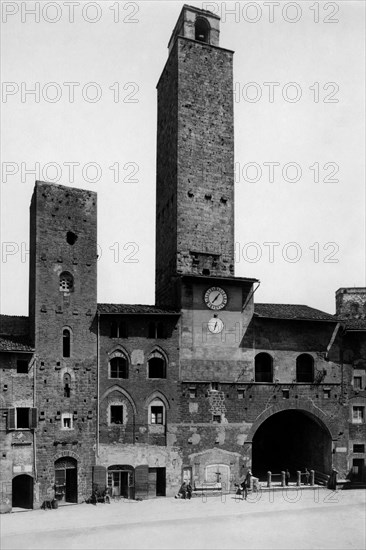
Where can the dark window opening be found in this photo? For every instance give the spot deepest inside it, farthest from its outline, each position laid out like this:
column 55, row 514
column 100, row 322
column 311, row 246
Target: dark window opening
column 286, row 394
column 326, row 394
column 202, row 30
column 152, row 330
column 156, row 366
column 67, row 385
column 192, row 393
column 123, row 332
column 358, row 448
column 116, row 414
column 157, row 415
column 263, row 368
column 119, row 329
column 241, row 394
column 22, row 366
column 23, row 418
column 305, row 368
column 71, row 238
column 160, row 330
column 119, row 367
column 216, row 418
column 66, row 343
column 215, row 386
column 114, row 329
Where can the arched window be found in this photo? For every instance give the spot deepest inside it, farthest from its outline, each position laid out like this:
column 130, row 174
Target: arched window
column 202, row 30
column 156, row 365
column 157, row 412
column 67, row 385
column 263, row 368
column 66, row 342
column 66, row 282
column 305, row 368
column 118, row 367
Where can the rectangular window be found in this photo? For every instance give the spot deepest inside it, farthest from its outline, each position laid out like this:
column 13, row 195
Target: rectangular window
column 241, row 393
column 214, row 386
column 285, row 394
column 116, row 414
column 358, row 448
column 216, row 418
column 22, row 366
column 66, row 421
column 357, row 382
column 192, row 393
column 358, row 414
column 157, row 414
column 22, row 418
column 326, row 393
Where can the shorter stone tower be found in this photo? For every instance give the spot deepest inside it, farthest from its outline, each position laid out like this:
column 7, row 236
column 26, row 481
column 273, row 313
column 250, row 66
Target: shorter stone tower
column 63, row 300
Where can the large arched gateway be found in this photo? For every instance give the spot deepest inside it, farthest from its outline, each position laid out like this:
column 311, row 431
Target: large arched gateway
column 292, row 439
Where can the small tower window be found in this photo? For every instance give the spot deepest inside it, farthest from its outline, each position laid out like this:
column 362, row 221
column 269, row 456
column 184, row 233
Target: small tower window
column 71, row 238
column 202, row 30
column 66, row 342
column 66, row 282
column 67, row 385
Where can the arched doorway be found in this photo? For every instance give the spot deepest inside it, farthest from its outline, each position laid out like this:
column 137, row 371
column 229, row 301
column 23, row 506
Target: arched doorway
column 66, row 480
column 22, row 491
column 293, row 439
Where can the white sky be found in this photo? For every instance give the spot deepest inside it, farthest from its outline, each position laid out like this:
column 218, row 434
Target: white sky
column 108, row 132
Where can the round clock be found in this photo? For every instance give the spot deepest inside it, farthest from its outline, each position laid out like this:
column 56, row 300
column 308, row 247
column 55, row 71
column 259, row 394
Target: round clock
column 215, row 325
column 215, row 298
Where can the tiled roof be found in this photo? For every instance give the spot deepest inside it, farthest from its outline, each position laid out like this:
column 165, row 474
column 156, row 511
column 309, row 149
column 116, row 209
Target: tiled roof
column 15, row 343
column 133, row 308
column 292, row 311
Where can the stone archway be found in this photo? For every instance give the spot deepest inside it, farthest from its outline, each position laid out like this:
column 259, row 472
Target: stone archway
column 293, row 439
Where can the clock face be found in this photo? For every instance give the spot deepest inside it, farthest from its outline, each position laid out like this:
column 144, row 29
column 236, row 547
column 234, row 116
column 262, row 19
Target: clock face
column 215, row 325
column 215, row 298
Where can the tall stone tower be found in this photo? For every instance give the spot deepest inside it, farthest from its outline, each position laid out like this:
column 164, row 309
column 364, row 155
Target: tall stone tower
column 62, row 305
column 195, row 156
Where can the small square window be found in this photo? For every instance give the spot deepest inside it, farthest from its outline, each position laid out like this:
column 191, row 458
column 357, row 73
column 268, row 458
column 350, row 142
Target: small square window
column 66, row 421
column 22, row 366
column 357, row 382
column 241, row 393
column 285, row 394
column 116, row 414
column 216, row 418
column 358, row 414
column 326, row 394
column 358, row 448
column 192, row 393
column 214, row 386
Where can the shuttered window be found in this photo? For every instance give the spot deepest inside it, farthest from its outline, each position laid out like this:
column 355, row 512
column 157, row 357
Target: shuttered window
column 22, row 418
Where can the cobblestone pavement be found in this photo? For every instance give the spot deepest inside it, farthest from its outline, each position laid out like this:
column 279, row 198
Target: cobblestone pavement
column 280, row 520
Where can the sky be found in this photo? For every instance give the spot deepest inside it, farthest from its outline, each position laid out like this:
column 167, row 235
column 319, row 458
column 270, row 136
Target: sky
column 90, row 122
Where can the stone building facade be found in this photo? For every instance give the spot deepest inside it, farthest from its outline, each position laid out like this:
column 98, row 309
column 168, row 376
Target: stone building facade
column 206, row 383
